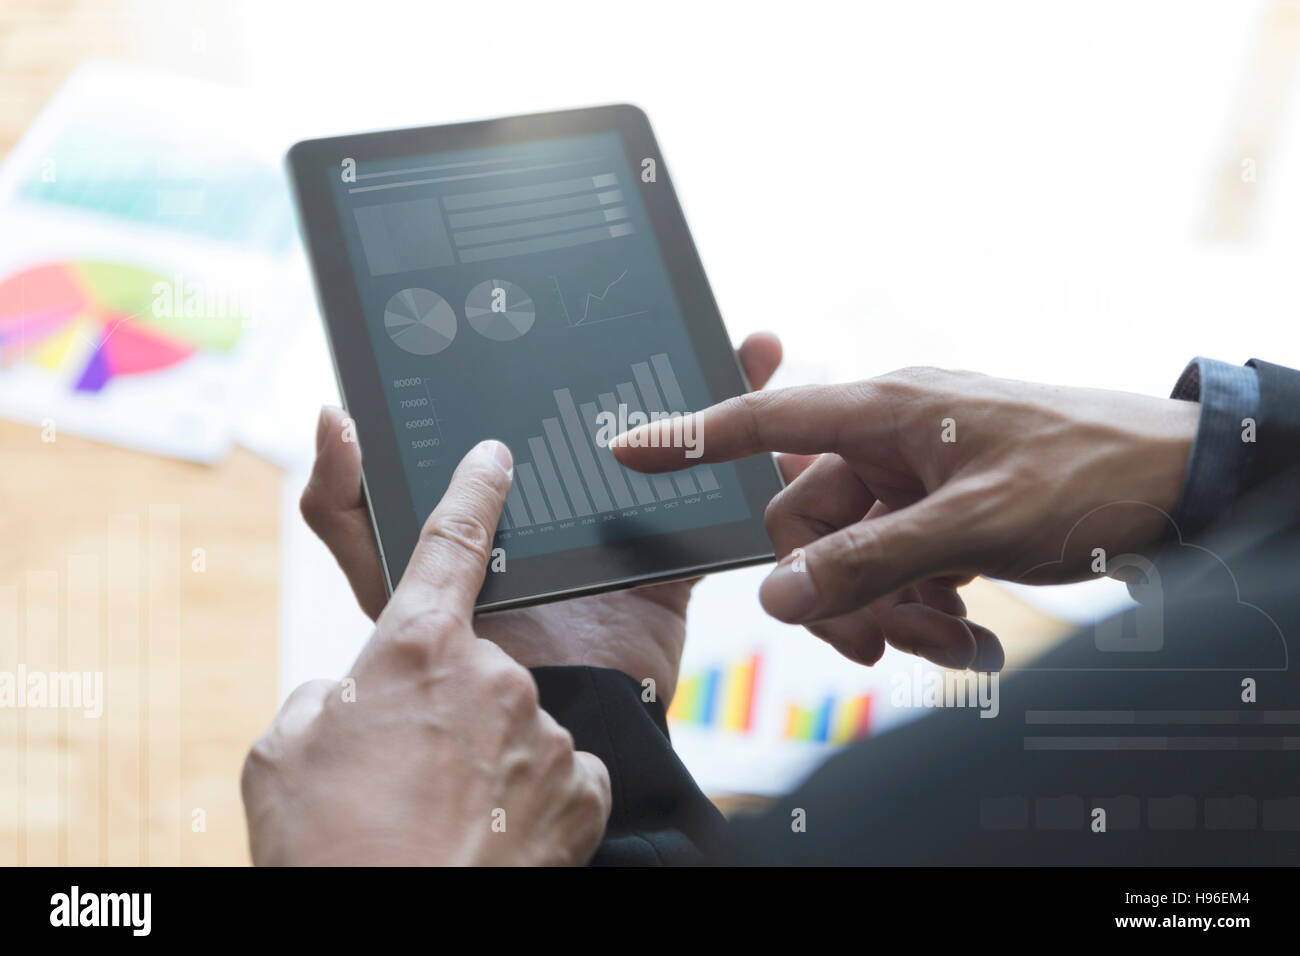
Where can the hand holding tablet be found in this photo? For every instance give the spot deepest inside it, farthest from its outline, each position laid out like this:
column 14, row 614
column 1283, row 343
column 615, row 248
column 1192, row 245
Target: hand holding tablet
column 639, row 631
column 529, row 279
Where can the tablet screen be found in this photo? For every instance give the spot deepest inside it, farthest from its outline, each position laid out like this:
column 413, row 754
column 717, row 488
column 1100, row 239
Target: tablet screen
column 518, row 292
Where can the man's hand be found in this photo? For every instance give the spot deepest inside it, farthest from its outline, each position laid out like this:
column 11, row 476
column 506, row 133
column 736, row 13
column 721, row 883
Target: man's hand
column 434, row 750
column 639, row 632
column 927, row 478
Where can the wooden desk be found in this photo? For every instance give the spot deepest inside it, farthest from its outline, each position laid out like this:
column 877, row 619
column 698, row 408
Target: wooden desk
column 96, row 566
column 100, row 572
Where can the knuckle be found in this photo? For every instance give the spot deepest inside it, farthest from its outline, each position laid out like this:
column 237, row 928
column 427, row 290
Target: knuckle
column 907, row 384
column 856, row 541
column 748, row 409
column 758, row 404
column 597, row 788
column 409, row 650
column 594, row 795
column 302, row 706
column 778, row 512
column 412, row 633
column 259, row 764
column 513, row 687
column 311, row 507
column 918, row 380
column 434, row 620
column 460, row 532
column 559, row 744
column 916, row 374
column 590, row 803
column 772, row 516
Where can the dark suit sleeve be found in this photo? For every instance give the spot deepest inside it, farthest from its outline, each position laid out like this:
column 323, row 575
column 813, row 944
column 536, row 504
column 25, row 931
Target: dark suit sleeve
column 1220, row 461
column 659, row 815
column 1231, row 456
column 1277, row 442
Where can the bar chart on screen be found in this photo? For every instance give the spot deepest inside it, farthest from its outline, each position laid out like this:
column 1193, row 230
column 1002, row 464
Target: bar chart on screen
column 570, row 474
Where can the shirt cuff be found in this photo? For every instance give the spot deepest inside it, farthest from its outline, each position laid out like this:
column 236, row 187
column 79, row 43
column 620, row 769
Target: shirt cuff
column 1221, row 455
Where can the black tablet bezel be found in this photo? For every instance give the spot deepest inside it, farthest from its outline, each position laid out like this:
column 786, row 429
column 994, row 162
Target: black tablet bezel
column 635, row 561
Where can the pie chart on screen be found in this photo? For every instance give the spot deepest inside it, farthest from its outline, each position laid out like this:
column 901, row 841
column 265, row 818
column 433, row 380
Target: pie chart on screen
column 98, row 321
column 499, row 310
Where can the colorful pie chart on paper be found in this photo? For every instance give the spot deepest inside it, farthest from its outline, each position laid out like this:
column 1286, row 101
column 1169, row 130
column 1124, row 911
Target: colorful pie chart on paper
column 97, row 321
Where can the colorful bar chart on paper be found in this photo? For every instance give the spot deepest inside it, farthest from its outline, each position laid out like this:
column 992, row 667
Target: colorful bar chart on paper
column 215, row 194
column 718, row 697
column 832, row 721
column 96, row 321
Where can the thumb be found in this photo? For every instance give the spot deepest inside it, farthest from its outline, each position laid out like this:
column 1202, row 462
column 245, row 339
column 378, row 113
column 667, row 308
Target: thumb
column 864, row 561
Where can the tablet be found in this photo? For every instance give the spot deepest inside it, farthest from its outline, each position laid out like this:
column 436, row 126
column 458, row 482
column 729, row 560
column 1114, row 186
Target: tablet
column 529, row 279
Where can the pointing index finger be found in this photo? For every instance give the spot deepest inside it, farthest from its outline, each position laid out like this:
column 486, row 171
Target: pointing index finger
column 805, row 420
column 450, row 559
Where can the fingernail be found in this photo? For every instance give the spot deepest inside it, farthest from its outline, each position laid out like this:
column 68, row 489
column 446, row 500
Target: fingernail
column 501, row 455
column 322, row 429
column 789, row 595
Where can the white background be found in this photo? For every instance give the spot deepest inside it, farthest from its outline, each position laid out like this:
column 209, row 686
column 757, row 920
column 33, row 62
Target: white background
column 1021, row 188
